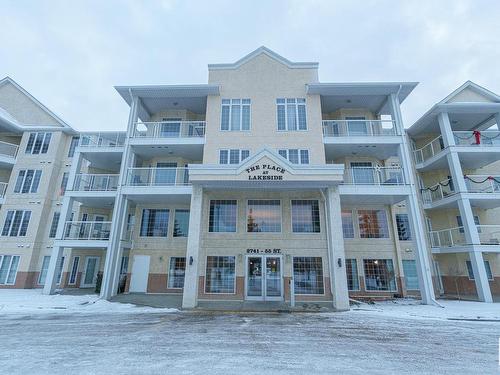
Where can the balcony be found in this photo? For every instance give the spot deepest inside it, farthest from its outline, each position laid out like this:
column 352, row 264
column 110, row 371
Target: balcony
column 96, row 182
column 3, row 190
column 428, row 151
column 477, row 138
column 358, row 128
column 439, row 191
column 81, row 232
column 158, row 177
column 489, row 235
column 170, row 129
column 374, row 176
column 8, row 154
column 102, row 139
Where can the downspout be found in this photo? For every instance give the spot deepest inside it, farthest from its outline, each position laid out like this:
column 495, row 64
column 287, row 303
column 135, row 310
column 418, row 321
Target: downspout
column 328, row 240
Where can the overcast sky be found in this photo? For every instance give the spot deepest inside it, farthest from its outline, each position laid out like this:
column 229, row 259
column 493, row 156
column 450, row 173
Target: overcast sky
column 70, row 54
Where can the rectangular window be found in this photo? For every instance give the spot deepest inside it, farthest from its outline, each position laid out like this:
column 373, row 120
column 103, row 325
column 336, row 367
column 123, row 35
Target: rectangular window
column 351, row 267
column 64, row 183
column 305, row 216
column 235, row 114
column 220, row 274
column 263, row 215
column 461, row 225
column 291, row 114
column 411, row 277
column 154, row 222
column 470, row 270
column 55, row 223
column 403, row 224
column 222, row 217
column 379, row 275
column 308, row 275
column 74, row 271
column 295, row 156
column 233, row 156
column 44, row 270
column 16, row 223
column 72, row 146
column 176, row 272
column 181, row 223
column 124, row 265
column 362, row 173
column 347, row 224
column 38, row 143
column 59, row 271
column 373, row 224
column 8, row 269
column 28, row 181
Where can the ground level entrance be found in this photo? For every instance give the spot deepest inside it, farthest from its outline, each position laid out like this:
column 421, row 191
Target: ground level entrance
column 264, row 278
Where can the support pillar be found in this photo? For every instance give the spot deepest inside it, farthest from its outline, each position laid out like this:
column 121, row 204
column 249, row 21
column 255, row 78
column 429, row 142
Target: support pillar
column 480, row 277
column 336, row 248
column 190, row 295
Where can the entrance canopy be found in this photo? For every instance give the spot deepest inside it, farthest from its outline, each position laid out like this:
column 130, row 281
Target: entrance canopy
column 266, row 170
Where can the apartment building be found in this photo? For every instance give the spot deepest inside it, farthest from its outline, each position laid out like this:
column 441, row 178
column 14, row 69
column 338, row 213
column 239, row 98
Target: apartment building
column 263, row 184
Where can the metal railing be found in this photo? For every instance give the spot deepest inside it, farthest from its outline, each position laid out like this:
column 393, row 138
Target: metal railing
column 87, row 230
column 489, row 234
column 158, row 176
column 438, row 191
column 448, row 237
column 3, row 189
column 477, row 138
column 8, row 149
column 129, row 233
column 102, row 139
column 429, row 150
column 374, row 176
column 170, row 129
column 95, row 182
column 482, row 184
column 348, row 128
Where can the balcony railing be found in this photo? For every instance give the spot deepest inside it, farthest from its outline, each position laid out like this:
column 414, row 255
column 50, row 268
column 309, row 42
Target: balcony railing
column 3, row 189
column 438, row 191
column 489, row 234
column 482, row 184
column 129, row 233
column 87, row 230
column 374, row 176
column 170, row 129
column 350, row 128
column 104, row 139
column 8, row 149
column 429, row 150
column 95, row 182
column 448, row 237
column 158, row 176
column 477, row 138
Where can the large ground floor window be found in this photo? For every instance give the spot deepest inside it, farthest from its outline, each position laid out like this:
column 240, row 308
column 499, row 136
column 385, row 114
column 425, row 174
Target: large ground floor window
column 411, row 277
column 351, row 267
column 308, row 275
column 379, row 275
column 8, row 269
column 220, row 274
column 176, row 272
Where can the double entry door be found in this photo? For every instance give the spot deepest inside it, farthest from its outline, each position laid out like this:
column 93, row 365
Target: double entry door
column 264, row 278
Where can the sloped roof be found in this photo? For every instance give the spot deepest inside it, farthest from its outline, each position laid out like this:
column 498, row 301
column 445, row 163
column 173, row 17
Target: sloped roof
column 268, row 52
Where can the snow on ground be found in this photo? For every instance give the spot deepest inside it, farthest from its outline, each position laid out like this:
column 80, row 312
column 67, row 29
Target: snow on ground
column 412, row 309
column 32, row 301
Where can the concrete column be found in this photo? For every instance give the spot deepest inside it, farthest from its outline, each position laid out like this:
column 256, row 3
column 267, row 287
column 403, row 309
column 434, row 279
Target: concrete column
column 190, row 295
column 445, row 128
column 415, row 212
column 480, row 277
column 336, row 248
column 57, row 251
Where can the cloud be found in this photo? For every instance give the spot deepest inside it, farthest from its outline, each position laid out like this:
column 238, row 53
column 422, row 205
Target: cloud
column 70, row 54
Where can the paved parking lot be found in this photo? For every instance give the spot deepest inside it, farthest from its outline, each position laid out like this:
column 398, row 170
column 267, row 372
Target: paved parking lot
column 204, row 343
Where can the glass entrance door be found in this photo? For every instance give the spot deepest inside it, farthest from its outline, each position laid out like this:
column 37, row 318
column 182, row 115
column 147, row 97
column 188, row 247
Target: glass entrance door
column 264, row 280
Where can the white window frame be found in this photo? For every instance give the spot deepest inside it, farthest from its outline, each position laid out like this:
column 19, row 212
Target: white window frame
column 319, row 217
column 171, row 280
column 9, row 231
column 77, row 260
column 206, row 278
column 240, row 155
column 467, row 262
column 303, row 101
column 233, row 102
column 357, row 274
column 36, row 172
column 237, row 216
column 9, row 269
column 322, row 274
column 29, row 149
column 286, row 151
column 281, row 216
column 380, row 291
column 39, row 281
